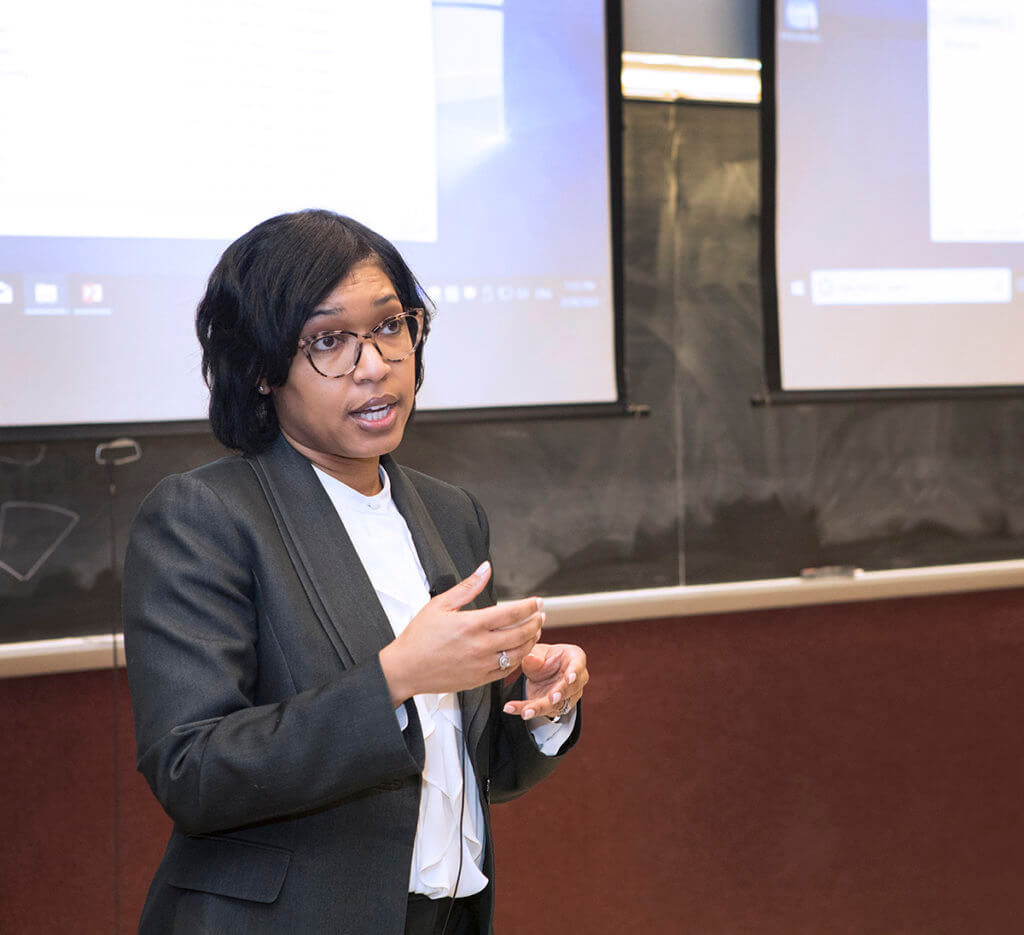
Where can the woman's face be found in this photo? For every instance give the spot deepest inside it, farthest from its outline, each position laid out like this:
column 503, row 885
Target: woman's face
column 344, row 424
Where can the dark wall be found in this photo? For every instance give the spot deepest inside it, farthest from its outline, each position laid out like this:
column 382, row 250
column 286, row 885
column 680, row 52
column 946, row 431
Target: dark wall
column 726, row 28
column 769, row 491
column 707, row 488
column 851, row 769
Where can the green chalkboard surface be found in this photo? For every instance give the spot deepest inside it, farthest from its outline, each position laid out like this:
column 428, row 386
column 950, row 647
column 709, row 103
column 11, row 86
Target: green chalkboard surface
column 705, row 489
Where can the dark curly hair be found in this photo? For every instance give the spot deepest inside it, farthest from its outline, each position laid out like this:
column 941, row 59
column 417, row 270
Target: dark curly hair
column 260, row 294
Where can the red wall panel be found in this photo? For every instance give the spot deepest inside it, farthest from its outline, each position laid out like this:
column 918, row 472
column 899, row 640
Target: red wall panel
column 848, row 768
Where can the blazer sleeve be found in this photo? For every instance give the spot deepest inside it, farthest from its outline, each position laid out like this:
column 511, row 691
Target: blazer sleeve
column 214, row 758
column 517, row 764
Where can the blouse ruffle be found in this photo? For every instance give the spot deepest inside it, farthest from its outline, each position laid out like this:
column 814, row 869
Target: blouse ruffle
column 435, row 854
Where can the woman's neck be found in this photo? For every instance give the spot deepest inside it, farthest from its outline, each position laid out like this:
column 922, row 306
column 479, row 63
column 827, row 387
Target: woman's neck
column 361, row 474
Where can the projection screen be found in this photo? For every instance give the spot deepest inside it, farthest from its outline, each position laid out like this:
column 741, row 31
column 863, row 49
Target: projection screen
column 894, row 247
column 141, row 139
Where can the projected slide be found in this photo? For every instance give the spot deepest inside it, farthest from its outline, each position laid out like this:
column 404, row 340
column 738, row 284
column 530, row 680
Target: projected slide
column 975, row 73
column 212, row 123
column 899, row 207
column 140, row 141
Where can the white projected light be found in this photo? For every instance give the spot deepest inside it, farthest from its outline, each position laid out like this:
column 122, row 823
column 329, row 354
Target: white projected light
column 165, row 157
column 975, row 73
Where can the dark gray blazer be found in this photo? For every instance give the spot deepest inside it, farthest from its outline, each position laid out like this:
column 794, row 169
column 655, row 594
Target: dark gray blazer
column 264, row 723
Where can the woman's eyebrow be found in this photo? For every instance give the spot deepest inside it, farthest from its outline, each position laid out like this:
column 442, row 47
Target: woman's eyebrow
column 340, row 310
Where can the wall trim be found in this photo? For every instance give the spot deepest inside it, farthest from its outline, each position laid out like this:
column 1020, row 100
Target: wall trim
column 83, row 653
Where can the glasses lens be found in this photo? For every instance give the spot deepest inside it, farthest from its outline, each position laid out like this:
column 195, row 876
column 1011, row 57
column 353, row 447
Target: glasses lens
column 397, row 337
column 334, row 354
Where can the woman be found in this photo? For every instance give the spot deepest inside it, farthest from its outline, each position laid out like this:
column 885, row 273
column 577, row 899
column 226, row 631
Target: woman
column 321, row 681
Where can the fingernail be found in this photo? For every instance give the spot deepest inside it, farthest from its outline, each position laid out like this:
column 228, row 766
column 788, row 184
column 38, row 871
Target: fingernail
column 556, row 697
column 572, row 677
column 482, row 570
column 509, row 709
column 528, row 713
column 543, row 619
column 540, row 603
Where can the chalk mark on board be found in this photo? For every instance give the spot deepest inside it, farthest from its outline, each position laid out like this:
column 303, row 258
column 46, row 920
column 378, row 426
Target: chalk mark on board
column 25, row 462
column 10, row 538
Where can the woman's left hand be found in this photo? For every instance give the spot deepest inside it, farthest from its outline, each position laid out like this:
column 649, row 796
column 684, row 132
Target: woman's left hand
column 555, row 675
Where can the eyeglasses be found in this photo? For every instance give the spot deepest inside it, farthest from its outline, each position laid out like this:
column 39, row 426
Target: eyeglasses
column 336, row 353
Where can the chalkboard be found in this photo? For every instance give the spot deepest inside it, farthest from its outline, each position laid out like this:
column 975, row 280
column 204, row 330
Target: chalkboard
column 706, row 488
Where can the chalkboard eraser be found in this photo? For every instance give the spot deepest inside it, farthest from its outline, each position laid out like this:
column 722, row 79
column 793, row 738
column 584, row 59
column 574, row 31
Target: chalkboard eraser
column 830, row 571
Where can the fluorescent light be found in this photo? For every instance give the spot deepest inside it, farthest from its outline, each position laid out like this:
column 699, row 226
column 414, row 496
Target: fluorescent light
column 650, row 77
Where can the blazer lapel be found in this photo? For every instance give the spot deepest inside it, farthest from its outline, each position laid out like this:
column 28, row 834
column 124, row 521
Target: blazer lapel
column 441, row 574
column 332, row 575
column 437, row 563
column 325, row 560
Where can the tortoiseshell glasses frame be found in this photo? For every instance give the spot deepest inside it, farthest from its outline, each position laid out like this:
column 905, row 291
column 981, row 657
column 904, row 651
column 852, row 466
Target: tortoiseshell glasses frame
column 407, row 326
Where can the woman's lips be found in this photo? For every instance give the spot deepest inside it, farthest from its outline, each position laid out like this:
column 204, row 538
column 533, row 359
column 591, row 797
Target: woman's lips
column 376, row 414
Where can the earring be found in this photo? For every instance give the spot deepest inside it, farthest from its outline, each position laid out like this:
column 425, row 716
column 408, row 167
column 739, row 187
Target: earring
column 262, row 388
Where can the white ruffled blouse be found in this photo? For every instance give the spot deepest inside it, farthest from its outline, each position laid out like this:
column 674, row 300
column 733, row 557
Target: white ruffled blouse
column 385, row 547
column 384, row 544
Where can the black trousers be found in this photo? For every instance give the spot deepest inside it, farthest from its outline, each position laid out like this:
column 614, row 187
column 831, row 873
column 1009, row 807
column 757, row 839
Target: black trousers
column 427, row 916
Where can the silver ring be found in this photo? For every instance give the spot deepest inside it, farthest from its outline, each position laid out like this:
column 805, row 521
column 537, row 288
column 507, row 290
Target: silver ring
column 565, row 709
column 503, row 661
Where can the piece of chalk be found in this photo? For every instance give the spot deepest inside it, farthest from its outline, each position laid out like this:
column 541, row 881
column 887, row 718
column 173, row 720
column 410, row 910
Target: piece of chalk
column 830, row 571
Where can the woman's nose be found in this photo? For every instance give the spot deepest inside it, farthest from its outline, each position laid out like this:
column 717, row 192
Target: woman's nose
column 371, row 365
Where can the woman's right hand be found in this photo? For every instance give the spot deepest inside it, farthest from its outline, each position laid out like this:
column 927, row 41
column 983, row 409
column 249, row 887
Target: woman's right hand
column 445, row 649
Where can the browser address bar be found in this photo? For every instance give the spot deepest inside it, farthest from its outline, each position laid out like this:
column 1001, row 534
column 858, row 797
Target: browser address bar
column 911, row 286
